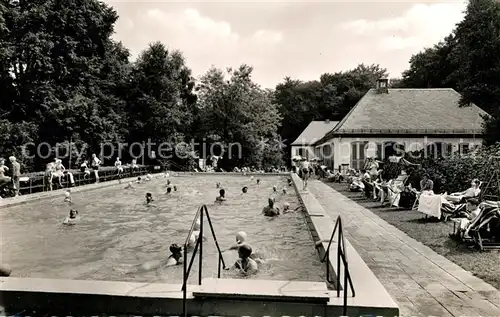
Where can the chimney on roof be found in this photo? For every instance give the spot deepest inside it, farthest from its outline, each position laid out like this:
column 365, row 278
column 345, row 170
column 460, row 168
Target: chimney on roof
column 382, row 86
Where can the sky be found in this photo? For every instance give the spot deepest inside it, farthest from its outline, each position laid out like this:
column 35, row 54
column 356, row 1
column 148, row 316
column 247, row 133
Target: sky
column 298, row 39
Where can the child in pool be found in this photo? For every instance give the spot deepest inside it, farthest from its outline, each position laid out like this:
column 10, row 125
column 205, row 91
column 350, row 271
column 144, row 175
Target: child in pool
column 73, row 217
column 270, row 210
column 67, row 196
column 149, row 198
column 241, row 238
column 175, row 188
column 129, row 186
column 221, row 197
column 169, row 190
column 245, row 264
column 175, row 258
column 258, row 181
column 244, row 190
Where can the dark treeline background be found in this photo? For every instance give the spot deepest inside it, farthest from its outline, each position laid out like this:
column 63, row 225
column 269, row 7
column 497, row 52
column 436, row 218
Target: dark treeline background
column 64, row 79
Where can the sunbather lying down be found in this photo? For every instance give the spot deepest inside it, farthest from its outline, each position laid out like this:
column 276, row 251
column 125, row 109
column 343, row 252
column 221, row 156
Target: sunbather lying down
column 471, row 192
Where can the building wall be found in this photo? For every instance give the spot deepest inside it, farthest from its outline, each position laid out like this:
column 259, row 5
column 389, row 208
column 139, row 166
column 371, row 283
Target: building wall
column 303, row 150
column 342, row 151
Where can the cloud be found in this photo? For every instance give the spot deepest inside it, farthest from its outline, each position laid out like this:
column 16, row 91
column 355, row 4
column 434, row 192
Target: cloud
column 422, row 25
column 204, row 41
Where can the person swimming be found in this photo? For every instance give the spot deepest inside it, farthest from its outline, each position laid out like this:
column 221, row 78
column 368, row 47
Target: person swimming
column 176, row 257
column 67, row 196
column 284, row 191
column 217, row 185
column 222, row 196
column 286, row 207
column 139, row 180
column 149, row 198
column 73, row 217
column 129, row 186
column 175, row 188
column 168, row 183
column 169, row 190
column 244, row 190
column 275, row 189
column 245, row 264
column 289, row 182
column 258, row 181
column 270, row 210
column 148, row 178
column 241, row 238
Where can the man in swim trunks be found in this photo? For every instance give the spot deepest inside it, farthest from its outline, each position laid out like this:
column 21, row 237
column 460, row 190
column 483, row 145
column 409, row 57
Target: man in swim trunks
column 245, row 264
column 96, row 162
column 270, row 210
column 16, row 173
column 4, row 179
column 305, row 166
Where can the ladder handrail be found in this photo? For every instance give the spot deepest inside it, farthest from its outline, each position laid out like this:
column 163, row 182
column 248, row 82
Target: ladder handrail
column 203, row 210
column 341, row 256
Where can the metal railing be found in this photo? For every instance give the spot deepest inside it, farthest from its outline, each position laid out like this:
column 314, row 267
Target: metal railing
column 203, row 210
column 38, row 182
column 341, row 256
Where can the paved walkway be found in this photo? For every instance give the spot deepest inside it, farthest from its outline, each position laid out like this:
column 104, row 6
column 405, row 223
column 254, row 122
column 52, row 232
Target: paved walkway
column 422, row 282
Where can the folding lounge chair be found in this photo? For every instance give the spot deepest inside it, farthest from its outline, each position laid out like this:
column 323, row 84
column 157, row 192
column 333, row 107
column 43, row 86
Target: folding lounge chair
column 484, row 231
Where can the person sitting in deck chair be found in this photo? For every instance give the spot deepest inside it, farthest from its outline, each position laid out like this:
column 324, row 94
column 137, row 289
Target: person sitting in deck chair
column 471, row 192
column 473, row 212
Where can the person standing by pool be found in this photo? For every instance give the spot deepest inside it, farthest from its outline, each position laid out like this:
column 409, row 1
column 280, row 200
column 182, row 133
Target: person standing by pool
column 16, row 173
column 3, row 169
column 118, row 166
column 270, row 210
column 96, row 162
column 305, row 166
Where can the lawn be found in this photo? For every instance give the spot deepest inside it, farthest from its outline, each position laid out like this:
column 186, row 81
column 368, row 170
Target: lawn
column 485, row 265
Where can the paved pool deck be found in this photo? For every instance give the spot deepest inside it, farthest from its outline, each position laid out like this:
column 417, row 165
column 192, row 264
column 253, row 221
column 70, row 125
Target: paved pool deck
column 422, row 282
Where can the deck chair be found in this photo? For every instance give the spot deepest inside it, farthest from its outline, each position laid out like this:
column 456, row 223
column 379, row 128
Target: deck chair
column 484, row 231
column 451, row 211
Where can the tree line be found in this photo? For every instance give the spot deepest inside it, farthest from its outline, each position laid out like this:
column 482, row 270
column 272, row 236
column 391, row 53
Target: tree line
column 65, row 80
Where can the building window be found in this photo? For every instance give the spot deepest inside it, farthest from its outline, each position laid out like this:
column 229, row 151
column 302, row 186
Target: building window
column 435, row 150
column 302, row 152
column 358, row 154
column 463, row 148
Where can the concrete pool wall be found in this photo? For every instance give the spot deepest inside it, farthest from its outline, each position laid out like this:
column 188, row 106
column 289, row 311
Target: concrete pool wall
column 215, row 297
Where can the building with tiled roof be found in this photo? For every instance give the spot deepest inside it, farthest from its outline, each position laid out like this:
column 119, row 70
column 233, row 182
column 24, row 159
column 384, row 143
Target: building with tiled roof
column 389, row 122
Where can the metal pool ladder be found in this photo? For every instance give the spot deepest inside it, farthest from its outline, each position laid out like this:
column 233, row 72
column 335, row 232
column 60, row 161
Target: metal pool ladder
column 341, row 256
column 203, row 210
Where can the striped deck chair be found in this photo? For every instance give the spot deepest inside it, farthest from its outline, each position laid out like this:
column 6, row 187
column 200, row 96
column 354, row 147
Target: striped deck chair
column 484, row 231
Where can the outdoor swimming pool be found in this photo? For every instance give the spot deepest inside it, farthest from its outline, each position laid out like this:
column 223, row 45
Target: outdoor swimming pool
column 118, row 232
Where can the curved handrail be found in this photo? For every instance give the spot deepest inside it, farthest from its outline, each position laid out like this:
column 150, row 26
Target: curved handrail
column 341, row 256
column 203, row 210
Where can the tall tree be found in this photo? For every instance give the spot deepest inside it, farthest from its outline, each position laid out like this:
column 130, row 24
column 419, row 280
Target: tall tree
column 237, row 111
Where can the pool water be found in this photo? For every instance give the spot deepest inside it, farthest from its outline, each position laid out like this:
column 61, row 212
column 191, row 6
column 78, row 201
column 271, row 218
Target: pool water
column 117, row 232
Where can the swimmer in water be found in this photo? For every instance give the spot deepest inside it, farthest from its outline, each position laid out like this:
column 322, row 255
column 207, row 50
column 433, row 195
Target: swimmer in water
column 241, row 238
column 286, row 207
column 67, row 196
column 73, row 217
column 275, row 189
column 217, row 185
column 148, row 178
column 284, row 191
column 169, row 190
column 221, row 197
column 258, row 181
column 139, row 180
column 129, row 186
column 5, row 271
column 244, row 190
column 289, row 182
column 168, row 183
column 245, row 264
column 149, row 198
column 270, row 210
column 175, row 188
column 176, row 257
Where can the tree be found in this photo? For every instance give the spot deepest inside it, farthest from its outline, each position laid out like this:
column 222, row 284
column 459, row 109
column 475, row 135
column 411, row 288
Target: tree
column 433, row 67
column 237, row 113
column 160, row 106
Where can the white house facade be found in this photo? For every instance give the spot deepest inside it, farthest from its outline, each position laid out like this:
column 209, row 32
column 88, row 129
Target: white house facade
column 304, row 145
column 388, row 122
